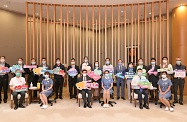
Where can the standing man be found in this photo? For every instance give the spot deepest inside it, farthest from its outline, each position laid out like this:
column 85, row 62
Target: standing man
column 178, row 82
column 141, row 66
column 59, row 79
column 120, row 81
column 85, row 63
column 72, row 80
column 24, row 71
column 44, row 65
column 4, row 79
column 153, row 75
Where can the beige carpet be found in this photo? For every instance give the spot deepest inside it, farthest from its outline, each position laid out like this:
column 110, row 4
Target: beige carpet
column 67, row 110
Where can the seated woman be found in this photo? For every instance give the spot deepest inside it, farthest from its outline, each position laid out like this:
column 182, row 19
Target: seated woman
column 47, row 89
column 164, row 86
column 107, row 84
column 17, row 81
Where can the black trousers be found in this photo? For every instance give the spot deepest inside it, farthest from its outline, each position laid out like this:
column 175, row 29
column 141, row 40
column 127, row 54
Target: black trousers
column 72, row 87
column 4, row 85
column 15, row 97
column 144, row 92
column 59, row 82
column 89, row 92
column 178, row 83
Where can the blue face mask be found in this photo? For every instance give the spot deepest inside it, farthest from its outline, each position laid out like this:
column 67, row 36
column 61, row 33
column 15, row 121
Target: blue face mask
column 96, row 65
column 107, row 62
column 18, row 74
column 106, row 75
column 119, row 63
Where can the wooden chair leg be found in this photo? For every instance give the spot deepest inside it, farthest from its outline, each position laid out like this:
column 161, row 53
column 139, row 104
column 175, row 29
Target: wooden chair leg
column 11, row 104
column 79, row 101
column 134, row 102
column 26, row 101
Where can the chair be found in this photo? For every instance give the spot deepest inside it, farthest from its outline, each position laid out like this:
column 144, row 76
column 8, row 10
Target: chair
column 134, row 96
column 169, row 99
column 50, row 101
column 79, row 97
column 19, row 96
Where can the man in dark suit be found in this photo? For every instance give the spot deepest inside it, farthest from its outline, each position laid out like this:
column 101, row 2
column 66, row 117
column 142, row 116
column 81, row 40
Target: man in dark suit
column 4, row 79
column 140, row 65
column 120, row 81
column 73, row 80
column 87, row 64
column 44, row 65
column 24, row 71
column 84, row 77
column 178, row 82
column 153, row 75
column 59, row 79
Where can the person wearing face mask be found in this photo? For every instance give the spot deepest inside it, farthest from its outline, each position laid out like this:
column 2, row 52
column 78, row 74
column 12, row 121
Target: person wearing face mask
column 166, row 67
column 59, row 79
column 108, row 66
column 139, row 90
column 164, row 85
column 87, row 64
column 23, row 70
column 73, row 80
column 44, row 65
column 16, row 81
column 120, row 81
column 107, row 84
column 47, row 89
column 33, row 77
column 142, row 66
column 4, row 79
column 129, row 71
column 153, row 75
column 178, row 82
column 85, row 77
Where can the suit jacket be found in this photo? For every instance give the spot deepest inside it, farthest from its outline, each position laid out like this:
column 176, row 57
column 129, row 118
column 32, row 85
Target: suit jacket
column 26, row 71
column 117, row 70
column 77, row 68
column 89, row 64
column 41, row 77
column 6, row 75
column 61, row 67
column 181, row 67
column 32, row 77
column 80, row 79
column 135, row 68
column 152, row 77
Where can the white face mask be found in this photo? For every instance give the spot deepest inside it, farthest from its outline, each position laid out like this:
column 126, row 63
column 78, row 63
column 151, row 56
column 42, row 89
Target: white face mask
column 85, row 60
column 140, row 63
column 58, row 62
column 33, row 62
column 72, row 63
column 163, row 76
column 2, row 60
column 165, row 61
column 43, row 62
column 178, row 62
column 139, row 73
column 153, row 63
column 19, row 62
column 46, row 76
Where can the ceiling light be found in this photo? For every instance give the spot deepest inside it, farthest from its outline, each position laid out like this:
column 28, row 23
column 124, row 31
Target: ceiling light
column 149, row 12
column 122, row 11
column 5, row 6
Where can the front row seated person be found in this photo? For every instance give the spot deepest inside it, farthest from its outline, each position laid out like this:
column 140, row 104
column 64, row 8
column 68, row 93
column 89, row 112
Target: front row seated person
column 107, row 84
column 47, row 89
column 18, row 80
column 164, row 85
column 82, row 78
column 139, row 89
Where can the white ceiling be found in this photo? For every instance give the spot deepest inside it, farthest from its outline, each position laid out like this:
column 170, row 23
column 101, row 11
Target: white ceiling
column 19, row 6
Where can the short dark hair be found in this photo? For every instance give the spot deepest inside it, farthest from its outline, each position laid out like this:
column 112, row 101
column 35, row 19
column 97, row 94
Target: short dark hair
column 3, row 57
column 140, row 59
column 107, row 58
column 85, row 57
column 139, row 69
column 84, row 70
column 153, row 59
column 43, row 58
column 106, row 71
column 73, row 59
column 20, row 58
column 164, row 72
column 119, row 59
column 33, row 59
column 164, row 58
column 57, row 59
column 130, row 63
column 47, row 73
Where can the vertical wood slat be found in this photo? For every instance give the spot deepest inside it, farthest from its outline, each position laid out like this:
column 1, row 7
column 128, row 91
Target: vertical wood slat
column 138, row 30
column 132, row 13
column 51, row 41
column 125, row 36
column 33, row 31
column 64, row 40
column 156, row 39
column 80, row 14
column 40, row 43
column 112, row 32
column 87, row 30
column 61, row 12
column 67, row 34
column 145, row 18
column 118, row 47
column 105, row 46
column 27, row 33
column 160, row 32
column 167, row 31
column 54, row 41
column 99, row 12
column 153, row 32
column 93, row 56
column 47, row 32
column 73, row 31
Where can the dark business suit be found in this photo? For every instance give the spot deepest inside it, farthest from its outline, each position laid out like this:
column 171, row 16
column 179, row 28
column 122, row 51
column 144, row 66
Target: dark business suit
column 152, row 78
column 178, row 82
column 135, row 68
column 120, row 69
column 4, row 83
column 84, row 91
column 72, row 82
column 88, row 64
column 59, row 81
column 41, row 77
column 26, row 70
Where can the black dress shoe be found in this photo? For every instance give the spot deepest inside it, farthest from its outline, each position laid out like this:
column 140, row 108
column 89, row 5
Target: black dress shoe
column 16, row 107
column 61, row 98
column 118, row 98
column 21, row 106
column 56, row 98
column 71, row 97
column 181, row 103
column 140, row 106
column 146, row 106
column 85, row 105
column 0, row 102
column 175, row 101
column 5, row 101
column 123, row 98
column 89, row 106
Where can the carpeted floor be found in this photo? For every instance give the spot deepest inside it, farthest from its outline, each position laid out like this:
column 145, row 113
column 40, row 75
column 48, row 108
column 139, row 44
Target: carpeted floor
column 67, row 110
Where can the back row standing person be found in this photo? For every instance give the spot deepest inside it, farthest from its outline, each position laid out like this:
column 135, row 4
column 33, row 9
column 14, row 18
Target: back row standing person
column 45, row 66
column 85, row 63
column 141, row 66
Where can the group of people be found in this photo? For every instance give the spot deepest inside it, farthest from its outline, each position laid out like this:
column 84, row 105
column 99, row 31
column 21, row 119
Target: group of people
column 160, row 80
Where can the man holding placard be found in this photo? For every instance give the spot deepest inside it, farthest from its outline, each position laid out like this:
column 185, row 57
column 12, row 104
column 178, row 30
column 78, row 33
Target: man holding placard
column 140, row 85
column 4, row 78
column 178, row 80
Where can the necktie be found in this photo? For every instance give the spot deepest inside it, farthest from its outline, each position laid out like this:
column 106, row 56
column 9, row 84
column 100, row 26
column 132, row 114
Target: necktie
column 84, row 78
column 140, row 87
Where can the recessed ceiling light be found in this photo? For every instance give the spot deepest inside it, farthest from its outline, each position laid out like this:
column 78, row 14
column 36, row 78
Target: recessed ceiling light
column 122, row 11
column 5, row 6
column 149, row 12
